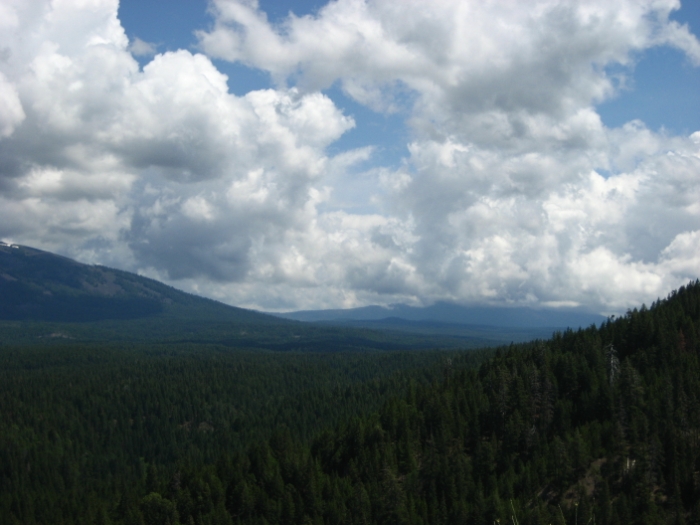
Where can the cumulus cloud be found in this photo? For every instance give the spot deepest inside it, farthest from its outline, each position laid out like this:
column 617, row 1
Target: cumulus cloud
column 454, row 54
column 141, row 48
column 513, row 190
column 163, row 160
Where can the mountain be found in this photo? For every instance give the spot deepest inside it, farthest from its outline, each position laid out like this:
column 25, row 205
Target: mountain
column 599, row 425
column 443, row 312
column 41, row 286
column 596, row 426
column 47, row 298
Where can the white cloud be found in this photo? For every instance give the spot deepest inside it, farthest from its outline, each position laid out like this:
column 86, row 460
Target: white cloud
column 513, row 190
column 503, row 187
column 141, row 48
column 535, row 227
column 473, row 57
column 162, row 157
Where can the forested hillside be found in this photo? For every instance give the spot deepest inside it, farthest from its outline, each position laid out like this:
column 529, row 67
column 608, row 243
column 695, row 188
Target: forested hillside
column 85, row 427
column 600, row 425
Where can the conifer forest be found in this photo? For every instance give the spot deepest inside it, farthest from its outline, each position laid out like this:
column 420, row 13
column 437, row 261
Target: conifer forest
column 597, row 425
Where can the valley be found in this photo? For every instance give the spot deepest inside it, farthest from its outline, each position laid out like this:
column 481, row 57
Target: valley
column 189, row 411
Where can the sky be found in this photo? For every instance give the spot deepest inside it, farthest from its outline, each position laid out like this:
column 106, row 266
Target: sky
column 307, row 155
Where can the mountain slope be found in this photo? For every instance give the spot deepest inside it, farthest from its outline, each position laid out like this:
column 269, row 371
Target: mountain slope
column 600, row 425
column 442, row 312
column 46, row 298
column 42, row 286
column 49, row 297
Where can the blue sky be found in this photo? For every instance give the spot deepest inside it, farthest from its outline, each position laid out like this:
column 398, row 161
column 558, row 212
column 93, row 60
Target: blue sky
column 175, row 29
column 664, row 90
column 360, row 151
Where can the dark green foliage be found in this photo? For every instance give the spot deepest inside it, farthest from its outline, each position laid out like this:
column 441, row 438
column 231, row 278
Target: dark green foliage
column 110, row 425
column 599, row 425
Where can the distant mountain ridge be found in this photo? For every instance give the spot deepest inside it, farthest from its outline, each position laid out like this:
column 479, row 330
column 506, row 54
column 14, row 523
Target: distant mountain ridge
column 449, row 313
column 50, row 299
column 47, row 297
column 42, row 286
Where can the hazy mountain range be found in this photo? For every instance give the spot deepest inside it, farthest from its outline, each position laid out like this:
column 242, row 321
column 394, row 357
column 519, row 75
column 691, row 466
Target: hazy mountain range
column 442, row 312
column 44, row 295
